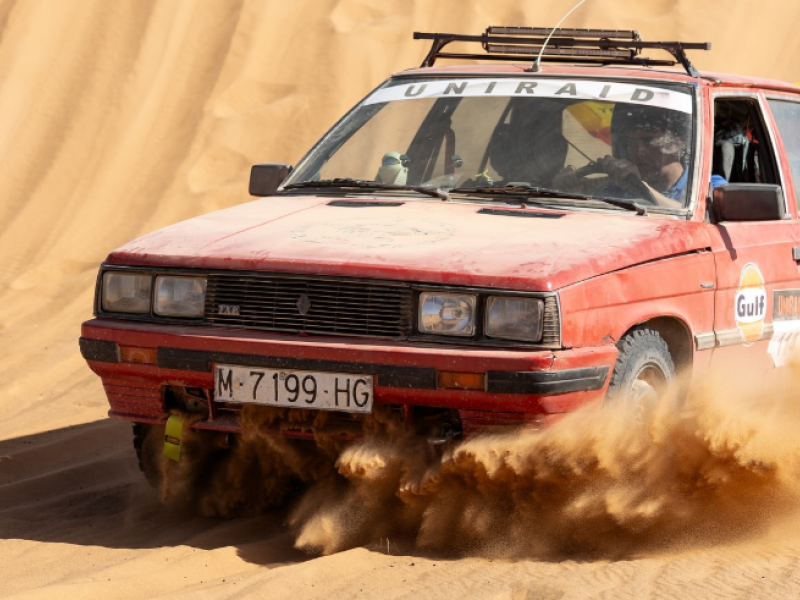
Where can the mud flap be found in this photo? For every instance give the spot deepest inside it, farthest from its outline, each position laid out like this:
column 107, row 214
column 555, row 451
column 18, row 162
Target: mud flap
column 172, row 437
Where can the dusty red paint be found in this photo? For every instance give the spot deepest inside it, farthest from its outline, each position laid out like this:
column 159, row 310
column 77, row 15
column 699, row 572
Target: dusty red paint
column 462, row 247
column 612, row 272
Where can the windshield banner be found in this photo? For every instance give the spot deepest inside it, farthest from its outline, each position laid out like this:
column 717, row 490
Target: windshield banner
column 578, row 89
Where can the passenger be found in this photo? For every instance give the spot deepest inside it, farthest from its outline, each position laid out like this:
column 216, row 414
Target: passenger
column 650, row 147
column 393, row 169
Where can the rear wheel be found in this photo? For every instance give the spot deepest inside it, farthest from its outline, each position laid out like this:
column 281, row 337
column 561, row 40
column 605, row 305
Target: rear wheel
column 644, row 371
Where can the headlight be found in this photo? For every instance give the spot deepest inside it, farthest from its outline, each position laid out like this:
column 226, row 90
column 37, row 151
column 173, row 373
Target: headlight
column 126, row 292
column 447, row 314
column 180, row 296
column 514, row 318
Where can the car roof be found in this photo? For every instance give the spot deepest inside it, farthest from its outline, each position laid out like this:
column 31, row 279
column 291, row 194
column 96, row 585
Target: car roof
column 707, row 78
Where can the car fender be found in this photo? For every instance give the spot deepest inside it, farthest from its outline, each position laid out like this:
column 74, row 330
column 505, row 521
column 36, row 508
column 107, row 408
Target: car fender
column 600, row 310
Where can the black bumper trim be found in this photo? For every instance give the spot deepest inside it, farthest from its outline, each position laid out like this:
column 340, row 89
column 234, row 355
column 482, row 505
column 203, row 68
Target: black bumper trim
column 546, row 383
column 99, row 350
column 542, row 383
column 387, row 375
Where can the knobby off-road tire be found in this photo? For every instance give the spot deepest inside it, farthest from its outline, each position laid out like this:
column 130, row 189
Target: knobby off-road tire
column 148, row 441
column 644, row 371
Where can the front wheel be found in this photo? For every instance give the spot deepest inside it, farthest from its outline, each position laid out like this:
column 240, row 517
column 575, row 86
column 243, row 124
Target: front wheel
column 644, row 371
column 148, row 441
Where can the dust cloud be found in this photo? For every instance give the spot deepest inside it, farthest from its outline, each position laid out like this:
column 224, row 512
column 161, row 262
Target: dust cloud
column 599, row 483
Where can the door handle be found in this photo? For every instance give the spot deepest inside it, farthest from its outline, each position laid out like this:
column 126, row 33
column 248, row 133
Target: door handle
column 796, row 253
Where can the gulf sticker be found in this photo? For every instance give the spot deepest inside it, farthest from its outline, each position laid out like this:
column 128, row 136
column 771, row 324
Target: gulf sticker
column 750, row 306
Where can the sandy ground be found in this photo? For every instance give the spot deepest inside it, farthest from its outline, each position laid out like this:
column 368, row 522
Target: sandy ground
column 120, row 117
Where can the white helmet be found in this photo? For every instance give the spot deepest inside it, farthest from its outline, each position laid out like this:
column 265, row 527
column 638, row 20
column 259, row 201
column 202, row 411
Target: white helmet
column 393, row 169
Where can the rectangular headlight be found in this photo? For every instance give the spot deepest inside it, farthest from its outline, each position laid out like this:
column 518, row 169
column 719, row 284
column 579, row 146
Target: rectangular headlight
column 514, row 318
column 180, row 296
column 447, row 314
column 126, row 292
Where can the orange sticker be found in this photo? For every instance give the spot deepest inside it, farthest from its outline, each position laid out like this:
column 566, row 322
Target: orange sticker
column 751, row 303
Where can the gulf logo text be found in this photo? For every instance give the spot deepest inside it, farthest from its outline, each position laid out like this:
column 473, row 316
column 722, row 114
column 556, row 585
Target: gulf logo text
column 750, row 306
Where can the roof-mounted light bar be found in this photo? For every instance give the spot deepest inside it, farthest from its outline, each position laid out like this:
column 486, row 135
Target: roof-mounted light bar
column 556, row 51
column 615, row 34
column 593, row 46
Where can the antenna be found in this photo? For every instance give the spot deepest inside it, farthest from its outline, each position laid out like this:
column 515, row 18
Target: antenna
column 535, row 68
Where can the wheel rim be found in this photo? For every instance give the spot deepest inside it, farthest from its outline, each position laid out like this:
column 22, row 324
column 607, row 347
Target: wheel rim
column 649, row 384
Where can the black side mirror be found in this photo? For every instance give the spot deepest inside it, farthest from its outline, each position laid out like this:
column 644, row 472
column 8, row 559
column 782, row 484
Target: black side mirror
column 748, row 202
column 265, row 179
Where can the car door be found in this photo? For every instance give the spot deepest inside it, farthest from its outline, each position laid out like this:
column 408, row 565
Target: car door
column 755, row 260
column 785, row 113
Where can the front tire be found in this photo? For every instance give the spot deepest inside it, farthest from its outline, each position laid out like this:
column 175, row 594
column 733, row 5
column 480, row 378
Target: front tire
column 644, row 371
column 148, row 441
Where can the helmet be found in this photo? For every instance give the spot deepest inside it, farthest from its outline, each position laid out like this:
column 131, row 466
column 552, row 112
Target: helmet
column 674, row 127
column 394, row 169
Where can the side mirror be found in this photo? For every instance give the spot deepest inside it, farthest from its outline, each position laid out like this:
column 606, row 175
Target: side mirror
column 265, row 179
column 748, row 202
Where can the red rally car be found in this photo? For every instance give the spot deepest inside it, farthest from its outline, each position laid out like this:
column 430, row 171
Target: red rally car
column 476, row 247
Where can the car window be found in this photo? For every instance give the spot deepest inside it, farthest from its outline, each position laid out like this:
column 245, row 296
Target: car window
column 742, row 148
column 478, row 132
column 787, row 117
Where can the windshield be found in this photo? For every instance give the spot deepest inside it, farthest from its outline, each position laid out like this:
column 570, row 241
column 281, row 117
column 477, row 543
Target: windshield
column 586, row 137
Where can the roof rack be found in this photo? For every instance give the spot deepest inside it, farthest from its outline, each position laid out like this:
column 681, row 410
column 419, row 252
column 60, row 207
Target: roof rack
column 593, row 46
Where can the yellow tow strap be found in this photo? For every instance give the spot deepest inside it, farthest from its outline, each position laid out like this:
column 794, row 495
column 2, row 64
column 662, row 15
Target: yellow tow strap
column 172, row 437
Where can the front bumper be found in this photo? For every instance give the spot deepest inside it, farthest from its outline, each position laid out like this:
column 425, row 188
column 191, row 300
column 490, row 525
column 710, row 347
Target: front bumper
column 529, row 383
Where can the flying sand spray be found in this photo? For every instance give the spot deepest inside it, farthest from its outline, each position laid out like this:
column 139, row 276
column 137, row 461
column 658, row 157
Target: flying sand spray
column 600, row 483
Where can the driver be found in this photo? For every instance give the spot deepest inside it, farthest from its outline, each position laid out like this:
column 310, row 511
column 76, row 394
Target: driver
column 649, row 146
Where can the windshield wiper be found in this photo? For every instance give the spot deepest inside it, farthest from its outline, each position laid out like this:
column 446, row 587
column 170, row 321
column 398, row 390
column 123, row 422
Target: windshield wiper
column 369, row 185
column 528, row 191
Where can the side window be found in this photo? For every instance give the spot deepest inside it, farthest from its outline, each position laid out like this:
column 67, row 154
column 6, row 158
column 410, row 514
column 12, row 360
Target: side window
column 787, row 117
column 742, row 152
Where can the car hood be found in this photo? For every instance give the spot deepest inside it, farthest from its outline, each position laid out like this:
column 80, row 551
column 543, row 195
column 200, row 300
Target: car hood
column 431, row 241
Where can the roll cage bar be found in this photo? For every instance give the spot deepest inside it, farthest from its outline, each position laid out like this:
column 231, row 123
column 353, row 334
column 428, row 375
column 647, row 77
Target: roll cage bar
column 591, row 46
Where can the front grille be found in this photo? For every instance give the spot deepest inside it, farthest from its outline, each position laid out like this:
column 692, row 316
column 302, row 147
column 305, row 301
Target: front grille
column 331, row 306
column 347, row 307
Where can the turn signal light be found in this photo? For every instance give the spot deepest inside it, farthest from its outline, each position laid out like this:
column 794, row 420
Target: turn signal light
column 461, row 381
column 132, row 354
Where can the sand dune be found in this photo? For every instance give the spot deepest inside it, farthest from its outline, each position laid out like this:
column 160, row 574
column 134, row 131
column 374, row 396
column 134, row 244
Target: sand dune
column 120, row 117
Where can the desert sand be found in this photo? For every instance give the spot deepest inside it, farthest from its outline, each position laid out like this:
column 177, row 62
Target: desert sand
column 117, row 118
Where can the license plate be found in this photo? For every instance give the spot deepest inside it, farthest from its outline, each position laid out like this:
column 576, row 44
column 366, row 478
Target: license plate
column 294, row 389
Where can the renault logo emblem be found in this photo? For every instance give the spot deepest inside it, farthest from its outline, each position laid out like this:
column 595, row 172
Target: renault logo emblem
column 303, row 305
